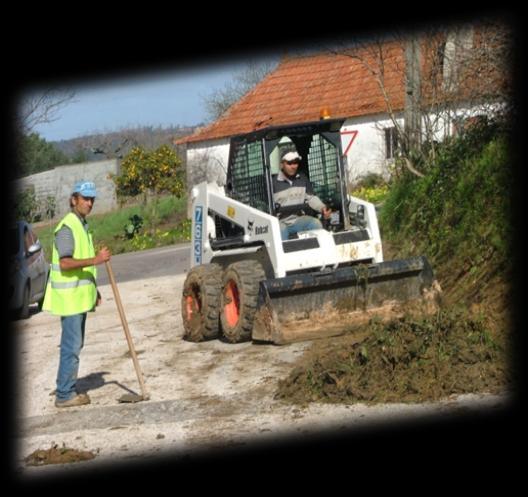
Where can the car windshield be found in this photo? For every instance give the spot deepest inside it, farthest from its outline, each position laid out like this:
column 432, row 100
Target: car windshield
column 14, row 241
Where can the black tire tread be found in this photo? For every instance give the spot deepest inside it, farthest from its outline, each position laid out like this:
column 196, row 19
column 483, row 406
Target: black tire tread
column 247, row 274
column 208, row 277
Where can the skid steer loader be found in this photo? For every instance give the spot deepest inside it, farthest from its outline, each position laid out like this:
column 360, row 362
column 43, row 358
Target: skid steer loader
column 246, row 283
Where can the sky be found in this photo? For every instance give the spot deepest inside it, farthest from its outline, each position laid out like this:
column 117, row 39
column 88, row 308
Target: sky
column 167, row 98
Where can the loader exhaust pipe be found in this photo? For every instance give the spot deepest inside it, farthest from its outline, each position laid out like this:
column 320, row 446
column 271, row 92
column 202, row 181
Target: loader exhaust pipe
column 320, row 304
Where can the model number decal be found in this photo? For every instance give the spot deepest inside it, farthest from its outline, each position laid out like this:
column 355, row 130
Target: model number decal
column 198, row 226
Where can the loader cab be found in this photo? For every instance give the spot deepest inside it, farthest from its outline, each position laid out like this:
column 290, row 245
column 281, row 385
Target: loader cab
column 255, row 157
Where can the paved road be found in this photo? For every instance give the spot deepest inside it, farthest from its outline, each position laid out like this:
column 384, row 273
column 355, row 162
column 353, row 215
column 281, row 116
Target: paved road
column 150, row 263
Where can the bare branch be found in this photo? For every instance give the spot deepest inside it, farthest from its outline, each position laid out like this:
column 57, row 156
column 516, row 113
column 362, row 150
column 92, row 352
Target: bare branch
column 409, row 166
column 41, row 108
column 372, row 55
column 219, row 101
column 207, row 167
column 450, row 73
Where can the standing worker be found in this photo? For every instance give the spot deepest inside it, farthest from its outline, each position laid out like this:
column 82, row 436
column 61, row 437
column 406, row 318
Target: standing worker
column 72, row 291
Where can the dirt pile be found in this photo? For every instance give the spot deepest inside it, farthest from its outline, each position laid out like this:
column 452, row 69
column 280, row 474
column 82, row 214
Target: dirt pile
column 407, row 360
column 57, row 455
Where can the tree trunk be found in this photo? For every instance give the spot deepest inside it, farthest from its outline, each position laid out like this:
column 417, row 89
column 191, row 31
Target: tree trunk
column 412, row 95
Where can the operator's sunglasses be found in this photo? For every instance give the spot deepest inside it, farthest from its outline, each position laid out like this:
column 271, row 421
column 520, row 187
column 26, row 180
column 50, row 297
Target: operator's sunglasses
column 294, row 161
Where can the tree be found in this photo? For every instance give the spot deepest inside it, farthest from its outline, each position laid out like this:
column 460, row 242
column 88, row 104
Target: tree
column 79, row 156
column 117, row 144
column 220, row 100
column 450, row 74
column 36, row 155
column 151, row 172
column 42, row 107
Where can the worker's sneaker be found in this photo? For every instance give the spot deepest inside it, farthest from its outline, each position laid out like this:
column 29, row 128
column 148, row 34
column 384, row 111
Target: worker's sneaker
column 79, row 400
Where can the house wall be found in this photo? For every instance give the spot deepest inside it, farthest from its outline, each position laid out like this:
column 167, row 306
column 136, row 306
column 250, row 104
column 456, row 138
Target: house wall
column 362, row 138
column 363, row 143
column 207, row 161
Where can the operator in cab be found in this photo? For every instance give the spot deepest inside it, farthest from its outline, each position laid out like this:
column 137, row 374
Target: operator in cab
column 292, row 192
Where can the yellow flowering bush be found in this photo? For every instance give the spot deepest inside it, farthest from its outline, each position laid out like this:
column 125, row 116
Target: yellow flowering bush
column 158, row 238
column 156, row 171
column 374, row 194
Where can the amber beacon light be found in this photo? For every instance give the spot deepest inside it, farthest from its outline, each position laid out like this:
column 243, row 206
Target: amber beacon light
column 324, row 113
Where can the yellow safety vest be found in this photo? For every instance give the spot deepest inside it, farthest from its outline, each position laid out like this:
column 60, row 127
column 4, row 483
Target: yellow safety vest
column 73, row 291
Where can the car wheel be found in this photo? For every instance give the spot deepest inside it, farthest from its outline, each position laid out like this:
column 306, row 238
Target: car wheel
column 23, row 312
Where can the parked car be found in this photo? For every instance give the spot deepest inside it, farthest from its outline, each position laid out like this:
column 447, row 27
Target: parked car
column 28, row 270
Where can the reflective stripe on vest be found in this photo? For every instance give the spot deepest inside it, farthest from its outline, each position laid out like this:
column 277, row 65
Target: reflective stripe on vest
column 72, row 291
column 71, row 284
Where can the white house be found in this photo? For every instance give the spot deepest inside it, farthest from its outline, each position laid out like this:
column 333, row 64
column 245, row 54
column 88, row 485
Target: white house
column 367, row 89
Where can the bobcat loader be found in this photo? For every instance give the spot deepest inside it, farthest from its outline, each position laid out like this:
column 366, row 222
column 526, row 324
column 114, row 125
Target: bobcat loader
column 246, row 283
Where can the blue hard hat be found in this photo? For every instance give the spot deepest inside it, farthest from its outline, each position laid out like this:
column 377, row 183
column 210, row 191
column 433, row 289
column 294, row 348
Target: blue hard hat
column 85, row 188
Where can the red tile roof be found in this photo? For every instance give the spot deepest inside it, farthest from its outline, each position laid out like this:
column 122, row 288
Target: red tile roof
column 299, row 87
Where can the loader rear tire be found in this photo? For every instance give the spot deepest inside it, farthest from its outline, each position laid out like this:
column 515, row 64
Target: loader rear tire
column 200, row 304
column 240, row 288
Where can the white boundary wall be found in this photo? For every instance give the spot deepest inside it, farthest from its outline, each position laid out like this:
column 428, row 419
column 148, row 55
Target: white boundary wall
column 58, row 183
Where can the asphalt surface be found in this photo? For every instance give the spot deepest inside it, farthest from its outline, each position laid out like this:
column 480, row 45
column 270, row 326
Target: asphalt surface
column 145, row 264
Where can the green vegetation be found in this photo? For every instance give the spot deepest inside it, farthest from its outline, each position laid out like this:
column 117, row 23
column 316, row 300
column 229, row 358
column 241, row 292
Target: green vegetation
column 407, row 360
column 165, row 225
column 159, row 218
column 27, row 207
column 37, row 155
column 155, row 171
column 459, row 216
column 134, row 226
column 372, row 188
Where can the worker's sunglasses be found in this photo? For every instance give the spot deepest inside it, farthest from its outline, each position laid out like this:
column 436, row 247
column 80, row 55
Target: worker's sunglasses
column 290, row 162
column 87, row 199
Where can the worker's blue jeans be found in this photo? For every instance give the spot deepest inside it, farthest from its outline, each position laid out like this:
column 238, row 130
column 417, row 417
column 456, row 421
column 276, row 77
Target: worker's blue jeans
column 302, row 223
column 72, row 341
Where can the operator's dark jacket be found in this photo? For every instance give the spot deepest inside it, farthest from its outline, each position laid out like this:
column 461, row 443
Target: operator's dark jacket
column 289, row 192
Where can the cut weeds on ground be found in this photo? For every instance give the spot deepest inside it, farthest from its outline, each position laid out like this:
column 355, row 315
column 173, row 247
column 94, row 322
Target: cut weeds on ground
column 406, row 360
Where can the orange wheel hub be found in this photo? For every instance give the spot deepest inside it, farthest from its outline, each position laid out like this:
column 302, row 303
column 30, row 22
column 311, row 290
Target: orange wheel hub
column 192, row 306
column 232, row 306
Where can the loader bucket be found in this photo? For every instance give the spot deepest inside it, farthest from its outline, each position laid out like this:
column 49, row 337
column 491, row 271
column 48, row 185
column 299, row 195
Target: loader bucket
column 321, row 304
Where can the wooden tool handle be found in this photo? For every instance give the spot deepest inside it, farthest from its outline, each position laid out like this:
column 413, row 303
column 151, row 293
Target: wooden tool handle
column 127, row 331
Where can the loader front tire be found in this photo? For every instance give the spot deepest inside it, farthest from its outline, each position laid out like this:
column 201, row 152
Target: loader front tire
column 200, row 304
column 240, row 288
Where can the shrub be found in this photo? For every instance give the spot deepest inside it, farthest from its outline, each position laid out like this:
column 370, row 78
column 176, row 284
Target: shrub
column 26, row 206
column 133, row 226
column 154, row 172
column 459, row 212
column 371, row 187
